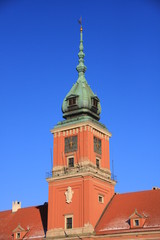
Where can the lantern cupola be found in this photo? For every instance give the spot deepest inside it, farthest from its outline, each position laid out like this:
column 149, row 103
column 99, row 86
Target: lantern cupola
column 81, row 101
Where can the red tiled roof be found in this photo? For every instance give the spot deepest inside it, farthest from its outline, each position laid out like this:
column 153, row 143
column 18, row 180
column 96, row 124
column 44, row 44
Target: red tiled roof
column 33, row 219
column 115, row 217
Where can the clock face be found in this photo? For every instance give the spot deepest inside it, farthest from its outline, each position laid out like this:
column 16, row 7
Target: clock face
column 70, row 144
column 97, row 145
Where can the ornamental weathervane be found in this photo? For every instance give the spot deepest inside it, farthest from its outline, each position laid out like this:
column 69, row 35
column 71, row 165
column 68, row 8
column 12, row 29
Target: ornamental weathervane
column 80, row 22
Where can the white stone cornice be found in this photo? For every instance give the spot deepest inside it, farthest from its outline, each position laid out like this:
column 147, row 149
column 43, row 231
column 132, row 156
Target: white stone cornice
column 79, row 125
column 84, row 170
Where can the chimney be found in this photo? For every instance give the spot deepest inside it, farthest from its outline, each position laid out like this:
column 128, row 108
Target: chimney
column 15, row 206
column 155, row 188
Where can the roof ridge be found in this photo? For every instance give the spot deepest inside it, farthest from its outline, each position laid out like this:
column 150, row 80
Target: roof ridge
column 127, row 193
column 10, row 210
column 46, row 203
column 7, row 210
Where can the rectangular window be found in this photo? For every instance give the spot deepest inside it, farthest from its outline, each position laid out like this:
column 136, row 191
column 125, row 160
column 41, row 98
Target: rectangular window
column 95, row 102
column 100, row 199
column 69, row 222
column 72, row 101
column 136, row 222
column 70, row 144
column 97, row 163
column 71, row 162
column 97, row 145
column 18, row 235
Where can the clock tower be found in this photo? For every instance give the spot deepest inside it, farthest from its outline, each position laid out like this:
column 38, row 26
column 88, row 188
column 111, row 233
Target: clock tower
column 80, row 185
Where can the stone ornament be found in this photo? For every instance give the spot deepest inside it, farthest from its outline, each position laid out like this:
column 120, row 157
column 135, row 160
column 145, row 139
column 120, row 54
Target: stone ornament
column 69, row 195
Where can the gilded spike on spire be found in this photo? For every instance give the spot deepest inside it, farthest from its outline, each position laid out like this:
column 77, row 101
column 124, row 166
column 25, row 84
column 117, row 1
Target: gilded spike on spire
column 81, row 68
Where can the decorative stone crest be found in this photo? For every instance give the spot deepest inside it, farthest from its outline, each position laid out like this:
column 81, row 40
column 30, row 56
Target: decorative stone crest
column 69, row 195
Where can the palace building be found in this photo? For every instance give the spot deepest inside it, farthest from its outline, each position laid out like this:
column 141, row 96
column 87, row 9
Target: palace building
column 82, row 202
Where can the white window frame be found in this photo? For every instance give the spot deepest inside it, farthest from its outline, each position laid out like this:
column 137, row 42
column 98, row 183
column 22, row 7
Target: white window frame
column 68, row 161
column 65, row 221
column 18, row 235
column 102, row 197
column 134, row 223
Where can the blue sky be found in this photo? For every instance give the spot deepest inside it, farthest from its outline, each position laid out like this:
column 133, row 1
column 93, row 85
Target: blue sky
column 39, row 41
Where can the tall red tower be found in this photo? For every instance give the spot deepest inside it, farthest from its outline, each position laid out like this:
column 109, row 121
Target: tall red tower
column 81, row 184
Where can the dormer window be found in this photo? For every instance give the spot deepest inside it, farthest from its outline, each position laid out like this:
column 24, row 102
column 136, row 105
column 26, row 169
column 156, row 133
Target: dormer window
column 18, row 235
column 136, row 222
column 95, row 103
column 72, row 101
column 19, row 232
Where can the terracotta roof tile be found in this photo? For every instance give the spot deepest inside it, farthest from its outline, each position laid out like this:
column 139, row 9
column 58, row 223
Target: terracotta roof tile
column 32, row 218
column 116, row 215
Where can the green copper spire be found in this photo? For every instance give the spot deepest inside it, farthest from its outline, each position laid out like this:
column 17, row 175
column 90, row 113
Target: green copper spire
column 81, row 101
column 81, row 68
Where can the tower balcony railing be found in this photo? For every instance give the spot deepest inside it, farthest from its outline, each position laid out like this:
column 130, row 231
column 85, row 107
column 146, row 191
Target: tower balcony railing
column 49, row 174
column 80, row 169
column 114, row 177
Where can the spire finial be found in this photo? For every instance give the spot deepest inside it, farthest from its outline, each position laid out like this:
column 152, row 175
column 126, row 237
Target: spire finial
column 81, row 68
column 80, row 22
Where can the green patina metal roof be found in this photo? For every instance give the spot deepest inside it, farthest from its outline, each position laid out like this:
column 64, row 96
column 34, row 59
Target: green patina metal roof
column 80, row 119
column 82, row 92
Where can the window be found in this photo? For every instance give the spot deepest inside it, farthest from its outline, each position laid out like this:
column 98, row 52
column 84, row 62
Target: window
column 18, row 235
column 71, row 162
column 136, row 222
column 70, row 144
column 97, row 163
column 69, row 222
column 72, row 101
column 100, row 199
column 95, row 102
column 97, row 145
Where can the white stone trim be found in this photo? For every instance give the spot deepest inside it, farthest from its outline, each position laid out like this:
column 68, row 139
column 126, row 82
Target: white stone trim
column 94, row 127
column 58, row 233
column 100, row 196
column 87, row 169
column 65, row 221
